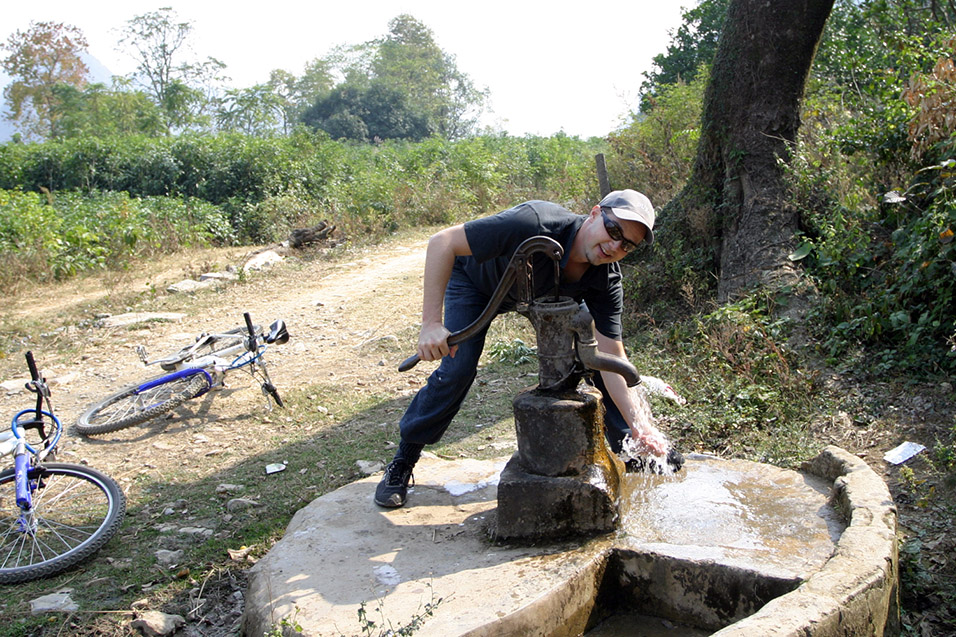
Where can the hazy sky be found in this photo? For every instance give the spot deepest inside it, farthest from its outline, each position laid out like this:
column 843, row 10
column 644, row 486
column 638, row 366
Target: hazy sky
column 576, row 68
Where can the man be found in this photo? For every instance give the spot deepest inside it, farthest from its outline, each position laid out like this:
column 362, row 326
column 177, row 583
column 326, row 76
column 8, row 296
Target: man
column 463, row 265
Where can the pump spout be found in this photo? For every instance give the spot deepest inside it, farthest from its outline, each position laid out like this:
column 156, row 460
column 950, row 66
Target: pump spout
column 592, row 358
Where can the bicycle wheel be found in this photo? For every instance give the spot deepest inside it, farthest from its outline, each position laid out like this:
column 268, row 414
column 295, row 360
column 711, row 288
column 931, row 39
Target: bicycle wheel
column 132, row 407
column 76, row 510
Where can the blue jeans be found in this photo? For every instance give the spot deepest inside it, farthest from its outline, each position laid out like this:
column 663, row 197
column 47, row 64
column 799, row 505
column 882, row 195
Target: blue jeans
column 436, row 404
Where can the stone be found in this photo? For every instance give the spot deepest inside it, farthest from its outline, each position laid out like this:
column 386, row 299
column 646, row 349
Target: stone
column 241, row 504
column 58, row 602
column 731, row 535
column 122, row 320
column 153, row 623
column 169, row 559
column 563, row 480
column 263, row 260
column 368, row 467
column 189, row 285
column 218, row 276
column 14, row 386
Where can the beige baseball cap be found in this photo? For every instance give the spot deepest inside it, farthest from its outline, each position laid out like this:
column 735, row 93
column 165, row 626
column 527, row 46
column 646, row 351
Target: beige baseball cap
column 631, row 206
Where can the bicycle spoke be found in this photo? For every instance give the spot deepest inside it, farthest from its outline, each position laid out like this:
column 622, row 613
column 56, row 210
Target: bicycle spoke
column 78, row 517
column 13, row 538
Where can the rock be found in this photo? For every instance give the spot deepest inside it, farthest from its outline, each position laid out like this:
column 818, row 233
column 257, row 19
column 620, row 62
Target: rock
column 241, row 504
column 196, row 531
column 188, row 285
column 58, row 602
column 218, row 276
column 14, row 386
column 230, row 488
column 122, row 320
column 63, row 380
column 168, row 558
column 156, row 624
column 262, row 260
column 368, row 467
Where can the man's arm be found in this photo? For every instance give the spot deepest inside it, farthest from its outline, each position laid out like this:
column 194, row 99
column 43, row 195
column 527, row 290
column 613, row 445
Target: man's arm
column 630, row 404
column 443, row 247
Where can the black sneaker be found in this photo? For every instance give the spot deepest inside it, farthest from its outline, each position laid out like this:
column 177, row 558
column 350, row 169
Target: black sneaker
column 393, row 488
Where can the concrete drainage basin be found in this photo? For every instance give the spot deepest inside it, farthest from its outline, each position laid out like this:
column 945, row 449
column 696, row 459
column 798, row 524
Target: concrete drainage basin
column 721, row 548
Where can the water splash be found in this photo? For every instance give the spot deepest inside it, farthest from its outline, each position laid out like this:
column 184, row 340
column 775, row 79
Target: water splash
column 638, row 457
column 647, row 449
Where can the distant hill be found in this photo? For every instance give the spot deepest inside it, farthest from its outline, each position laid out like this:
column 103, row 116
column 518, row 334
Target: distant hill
column 98, row 73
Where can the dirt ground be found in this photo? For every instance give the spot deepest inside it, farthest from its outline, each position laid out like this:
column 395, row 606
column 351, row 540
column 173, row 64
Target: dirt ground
column 343, row 311
column 335, row 310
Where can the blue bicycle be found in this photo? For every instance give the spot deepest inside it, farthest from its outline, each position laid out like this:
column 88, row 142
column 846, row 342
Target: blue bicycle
column 193, row 371
column 52, row 515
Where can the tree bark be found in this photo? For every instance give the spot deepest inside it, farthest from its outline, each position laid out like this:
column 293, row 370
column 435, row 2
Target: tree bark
column 737, row 195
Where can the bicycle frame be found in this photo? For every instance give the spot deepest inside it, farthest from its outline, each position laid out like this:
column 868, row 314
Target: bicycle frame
column 218, row 364
column 248, row 348
column 25, row 455
column 60, row 514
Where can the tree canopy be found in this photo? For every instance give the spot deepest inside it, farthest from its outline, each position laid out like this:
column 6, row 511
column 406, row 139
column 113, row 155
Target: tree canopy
column 178, row 84
column 400, row 86
column 41, row 59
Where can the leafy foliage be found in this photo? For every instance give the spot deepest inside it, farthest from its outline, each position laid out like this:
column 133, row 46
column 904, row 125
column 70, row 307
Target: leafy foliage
column 45, row 56
column 402, row 86
column 59, row 236
column 262, row 188
column 158, row 41
column 654, row 153
column 691, row 49
column 101, row 111
column 369, row 112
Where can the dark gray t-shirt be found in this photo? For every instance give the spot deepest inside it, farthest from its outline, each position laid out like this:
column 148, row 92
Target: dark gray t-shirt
column 494, row 239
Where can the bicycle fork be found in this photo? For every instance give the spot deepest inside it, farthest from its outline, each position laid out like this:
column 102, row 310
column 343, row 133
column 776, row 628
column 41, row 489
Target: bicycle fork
column 24, row 490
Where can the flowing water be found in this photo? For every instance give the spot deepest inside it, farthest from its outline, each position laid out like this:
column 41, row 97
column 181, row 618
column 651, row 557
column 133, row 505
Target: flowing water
column 652, row 446
column 724, row 514
column 728, row 509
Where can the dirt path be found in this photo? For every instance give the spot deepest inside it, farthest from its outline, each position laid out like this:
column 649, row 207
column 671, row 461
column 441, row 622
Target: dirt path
column 351, row 322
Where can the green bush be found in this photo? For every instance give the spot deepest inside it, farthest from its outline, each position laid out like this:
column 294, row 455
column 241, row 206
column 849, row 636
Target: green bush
column 58, row 236
column 655, row 152
column 239, row 187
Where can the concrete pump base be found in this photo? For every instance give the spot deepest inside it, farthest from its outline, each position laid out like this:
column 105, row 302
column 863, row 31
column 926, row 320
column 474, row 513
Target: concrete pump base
column 722, row 548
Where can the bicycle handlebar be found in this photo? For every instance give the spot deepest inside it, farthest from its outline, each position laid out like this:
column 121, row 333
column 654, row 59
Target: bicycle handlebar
column 252, row 331
column 34, row 373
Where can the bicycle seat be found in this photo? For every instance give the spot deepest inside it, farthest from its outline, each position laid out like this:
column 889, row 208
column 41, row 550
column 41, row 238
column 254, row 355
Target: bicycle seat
column 278, row 333
column 169, row 363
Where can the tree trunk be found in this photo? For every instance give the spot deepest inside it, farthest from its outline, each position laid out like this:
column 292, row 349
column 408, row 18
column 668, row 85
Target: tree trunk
column 737, row 194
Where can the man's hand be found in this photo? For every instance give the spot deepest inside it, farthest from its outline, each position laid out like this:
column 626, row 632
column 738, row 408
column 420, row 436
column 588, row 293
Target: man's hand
column 650, row 438
column 433, row 342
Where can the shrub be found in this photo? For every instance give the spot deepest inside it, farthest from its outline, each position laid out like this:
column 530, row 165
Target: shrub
column 61, row 235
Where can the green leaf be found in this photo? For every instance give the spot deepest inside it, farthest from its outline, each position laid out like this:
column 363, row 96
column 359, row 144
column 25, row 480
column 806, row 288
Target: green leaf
column 801, row 252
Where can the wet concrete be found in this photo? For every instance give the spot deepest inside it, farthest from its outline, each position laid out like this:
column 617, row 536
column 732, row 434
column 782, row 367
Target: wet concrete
column 722, row 544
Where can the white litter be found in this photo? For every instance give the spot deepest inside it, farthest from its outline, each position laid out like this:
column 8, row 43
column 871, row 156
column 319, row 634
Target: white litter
column 902, row 453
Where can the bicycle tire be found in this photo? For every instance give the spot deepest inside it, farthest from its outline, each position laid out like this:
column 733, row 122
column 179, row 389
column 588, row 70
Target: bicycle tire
column 130, row 407
column 77, row 510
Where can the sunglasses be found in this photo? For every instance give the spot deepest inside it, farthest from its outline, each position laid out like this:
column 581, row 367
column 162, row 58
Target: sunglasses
column 614, row 231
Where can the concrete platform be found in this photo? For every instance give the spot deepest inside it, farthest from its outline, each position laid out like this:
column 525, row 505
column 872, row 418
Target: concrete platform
column 721, row 544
